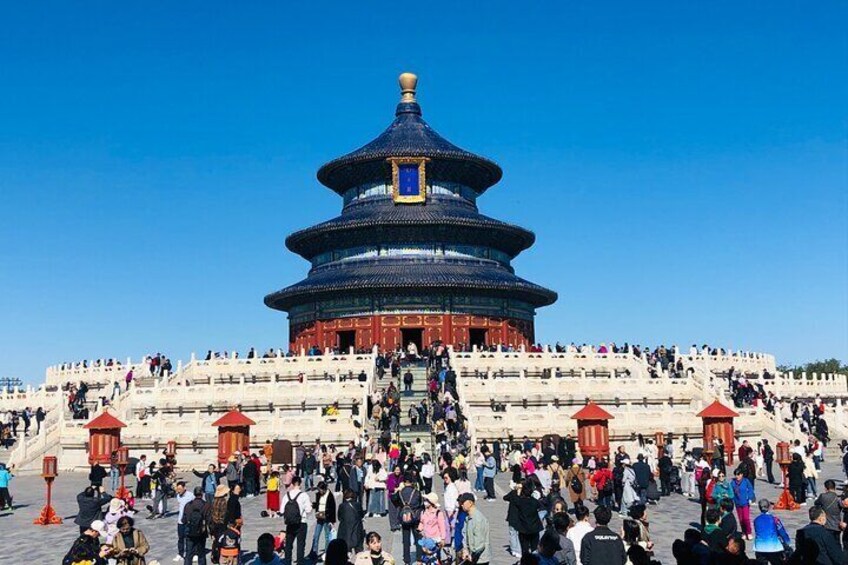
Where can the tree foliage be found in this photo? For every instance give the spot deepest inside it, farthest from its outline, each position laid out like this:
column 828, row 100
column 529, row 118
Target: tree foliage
column 826, row 366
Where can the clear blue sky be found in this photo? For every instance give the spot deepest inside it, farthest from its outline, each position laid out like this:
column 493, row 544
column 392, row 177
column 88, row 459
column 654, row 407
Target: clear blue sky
column 684, row 167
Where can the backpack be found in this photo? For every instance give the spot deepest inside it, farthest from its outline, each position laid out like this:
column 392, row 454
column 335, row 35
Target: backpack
column 555, row 482
column 406, row 514
column 576, row 485
column 690, row 465
column 196, row 522
column 291, row 511
column 607, row 488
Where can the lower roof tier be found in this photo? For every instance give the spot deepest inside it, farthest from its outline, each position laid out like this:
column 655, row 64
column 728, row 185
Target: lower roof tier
column 396, row 275
column 380, row 220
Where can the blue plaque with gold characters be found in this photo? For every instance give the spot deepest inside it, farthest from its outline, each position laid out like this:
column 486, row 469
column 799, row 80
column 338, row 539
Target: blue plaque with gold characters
column 409, row 182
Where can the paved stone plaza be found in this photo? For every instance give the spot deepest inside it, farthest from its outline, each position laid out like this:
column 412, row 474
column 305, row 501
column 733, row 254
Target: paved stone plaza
column 26, row 543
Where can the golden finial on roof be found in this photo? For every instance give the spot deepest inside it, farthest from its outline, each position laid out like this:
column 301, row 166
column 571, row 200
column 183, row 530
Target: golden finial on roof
column 407, row 81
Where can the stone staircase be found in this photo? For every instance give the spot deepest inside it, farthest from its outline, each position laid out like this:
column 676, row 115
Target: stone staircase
column 422, row 431
column 408, row 432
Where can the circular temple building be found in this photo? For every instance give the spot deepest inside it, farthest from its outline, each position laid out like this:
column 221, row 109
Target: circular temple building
column 410, row 259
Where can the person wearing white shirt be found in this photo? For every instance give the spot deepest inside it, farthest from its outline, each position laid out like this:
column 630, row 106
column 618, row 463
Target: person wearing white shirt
column 428, row 470
column 451, row 495
column 297, row 532
column 544, row 476
column 183, row 497
column 580, row 529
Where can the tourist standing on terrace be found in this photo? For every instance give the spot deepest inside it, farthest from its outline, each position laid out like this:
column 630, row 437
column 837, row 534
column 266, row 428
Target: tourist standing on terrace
column 526, row 522
column 90, row 503
column 296, row 509
column 768, row 460
column 408, row 502
column 325, row 519
column 831, row 503
column 475, row 533
column 209, row 481
column 602, row 546
column 5, row 478
column 489, row 470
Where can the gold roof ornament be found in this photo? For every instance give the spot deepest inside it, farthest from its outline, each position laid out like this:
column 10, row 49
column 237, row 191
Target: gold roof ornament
column 408, row 82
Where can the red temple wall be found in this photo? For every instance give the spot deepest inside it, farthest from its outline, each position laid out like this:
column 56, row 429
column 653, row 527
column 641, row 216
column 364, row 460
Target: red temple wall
column 385, row 330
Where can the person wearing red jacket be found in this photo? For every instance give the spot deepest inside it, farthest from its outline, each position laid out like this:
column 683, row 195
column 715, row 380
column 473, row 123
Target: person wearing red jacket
column 603, row 483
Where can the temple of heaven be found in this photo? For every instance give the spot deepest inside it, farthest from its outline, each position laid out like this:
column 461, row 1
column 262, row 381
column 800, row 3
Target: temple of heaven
column 410, row 259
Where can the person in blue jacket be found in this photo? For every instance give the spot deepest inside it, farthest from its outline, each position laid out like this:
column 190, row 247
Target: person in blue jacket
column 5, row 498
column 743, row 496
column 770, row 538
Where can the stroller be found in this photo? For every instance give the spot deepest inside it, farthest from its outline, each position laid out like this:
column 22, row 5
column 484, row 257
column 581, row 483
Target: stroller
column 674, row 480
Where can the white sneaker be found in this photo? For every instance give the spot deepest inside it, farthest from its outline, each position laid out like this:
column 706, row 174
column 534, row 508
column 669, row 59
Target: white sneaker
column 194, row 558
column 177, row 559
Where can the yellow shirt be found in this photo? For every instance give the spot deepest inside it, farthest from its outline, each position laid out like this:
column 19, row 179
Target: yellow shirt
column 273, row 483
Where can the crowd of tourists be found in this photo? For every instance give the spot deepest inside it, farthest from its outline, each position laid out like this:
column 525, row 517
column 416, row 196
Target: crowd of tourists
column 560, row 500
column 20, row 423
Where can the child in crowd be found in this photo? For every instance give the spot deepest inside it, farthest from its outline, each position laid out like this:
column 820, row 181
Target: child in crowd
column 230, row 544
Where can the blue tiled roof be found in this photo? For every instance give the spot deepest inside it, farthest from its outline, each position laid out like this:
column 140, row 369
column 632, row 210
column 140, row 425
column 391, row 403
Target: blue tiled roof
column 397, row 275
column 379, row 220
column 410, row 136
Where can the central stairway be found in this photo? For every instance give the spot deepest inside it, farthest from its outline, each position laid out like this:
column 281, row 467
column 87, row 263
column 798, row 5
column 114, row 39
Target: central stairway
column 408, row 432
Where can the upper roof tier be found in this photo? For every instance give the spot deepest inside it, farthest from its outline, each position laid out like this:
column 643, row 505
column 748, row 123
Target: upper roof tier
column 410, row 136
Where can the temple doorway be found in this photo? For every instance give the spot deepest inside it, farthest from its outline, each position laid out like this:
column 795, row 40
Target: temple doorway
column 345, row 340
column 414, row 335
column 477, row 336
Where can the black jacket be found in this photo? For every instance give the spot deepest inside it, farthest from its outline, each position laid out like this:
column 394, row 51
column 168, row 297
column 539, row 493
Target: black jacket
column 796, row 474
column 411, row 497
column 233, row 508
column 97, row 474
column 814, row 540
column 350, row 526
column 90, row 508
column 85, row 545
column 602, row 546
column 526, row 513
column 329, row 509
column 199, row 504
column 643, row 474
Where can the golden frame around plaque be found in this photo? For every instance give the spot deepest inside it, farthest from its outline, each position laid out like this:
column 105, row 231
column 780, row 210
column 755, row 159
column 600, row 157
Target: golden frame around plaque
column 422, row 179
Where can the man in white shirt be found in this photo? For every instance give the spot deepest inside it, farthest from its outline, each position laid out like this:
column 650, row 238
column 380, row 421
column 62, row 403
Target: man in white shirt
column 296, row 532
column 183, row 497
column 580, row 529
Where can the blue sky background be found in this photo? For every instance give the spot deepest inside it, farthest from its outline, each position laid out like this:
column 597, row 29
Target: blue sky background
column 684, row 167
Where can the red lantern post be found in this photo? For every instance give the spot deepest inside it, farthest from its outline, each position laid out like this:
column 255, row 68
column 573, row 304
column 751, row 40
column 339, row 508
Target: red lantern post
column 123, row 459
column 49, row 470
column 784, row 458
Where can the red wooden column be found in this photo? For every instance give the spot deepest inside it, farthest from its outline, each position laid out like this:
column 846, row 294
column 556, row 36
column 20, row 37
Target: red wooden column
column 593, row 430
column 233, row 434
column 718, row 423
column 104, row 437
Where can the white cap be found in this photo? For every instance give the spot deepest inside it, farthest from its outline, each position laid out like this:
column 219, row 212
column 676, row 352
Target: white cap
column 98, row 526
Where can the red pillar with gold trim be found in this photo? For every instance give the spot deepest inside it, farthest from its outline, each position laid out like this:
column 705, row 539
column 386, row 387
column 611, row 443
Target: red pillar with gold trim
column 593, row 430
column 718, row 423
